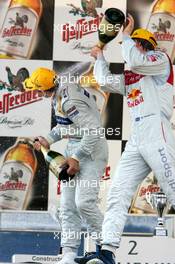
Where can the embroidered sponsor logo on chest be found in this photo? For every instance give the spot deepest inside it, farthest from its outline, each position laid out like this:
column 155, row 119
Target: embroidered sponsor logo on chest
column 134, row 97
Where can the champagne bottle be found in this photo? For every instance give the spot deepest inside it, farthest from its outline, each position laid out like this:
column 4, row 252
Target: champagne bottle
column 110, row 26
column 55, row 161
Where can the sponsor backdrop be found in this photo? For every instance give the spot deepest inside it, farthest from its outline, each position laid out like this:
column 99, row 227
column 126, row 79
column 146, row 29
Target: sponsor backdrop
column 59, row 35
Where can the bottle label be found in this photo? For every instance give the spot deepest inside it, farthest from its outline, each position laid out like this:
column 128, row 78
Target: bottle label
column 15, row 181
column 17, row 31
column 162, row 25
column 55, row 164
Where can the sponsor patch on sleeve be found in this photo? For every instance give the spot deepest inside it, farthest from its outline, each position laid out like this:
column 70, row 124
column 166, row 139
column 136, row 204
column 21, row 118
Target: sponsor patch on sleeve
column 152, row 58
column 71, row 112
column 73, row 108
column 74, row 113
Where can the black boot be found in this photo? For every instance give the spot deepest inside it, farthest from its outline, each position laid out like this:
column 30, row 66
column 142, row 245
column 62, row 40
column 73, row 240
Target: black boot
column 88, row 256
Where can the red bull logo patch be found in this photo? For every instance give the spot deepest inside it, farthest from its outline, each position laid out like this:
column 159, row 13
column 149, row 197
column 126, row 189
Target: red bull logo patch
column 135, row 98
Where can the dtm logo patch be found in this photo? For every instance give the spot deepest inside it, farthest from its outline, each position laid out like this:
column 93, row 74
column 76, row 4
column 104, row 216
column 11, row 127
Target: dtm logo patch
column 134, row 97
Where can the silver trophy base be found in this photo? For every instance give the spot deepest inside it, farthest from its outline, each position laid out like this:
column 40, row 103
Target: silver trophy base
column 160, row 231
column 95, row 261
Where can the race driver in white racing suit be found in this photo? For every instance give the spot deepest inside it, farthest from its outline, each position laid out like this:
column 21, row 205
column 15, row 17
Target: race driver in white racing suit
column 86, row 152
column 148, row 87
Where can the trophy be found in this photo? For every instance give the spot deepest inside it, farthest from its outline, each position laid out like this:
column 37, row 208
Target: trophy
column 110, row 25
column 158, row 201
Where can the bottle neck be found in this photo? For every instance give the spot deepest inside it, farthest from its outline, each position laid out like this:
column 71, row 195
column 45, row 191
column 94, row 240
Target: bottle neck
column 36, row 5
column 25, row 141
column 44, row 150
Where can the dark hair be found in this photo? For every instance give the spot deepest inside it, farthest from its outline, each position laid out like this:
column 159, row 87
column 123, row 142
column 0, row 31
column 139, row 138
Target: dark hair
column 53, row 89
column 145, row 44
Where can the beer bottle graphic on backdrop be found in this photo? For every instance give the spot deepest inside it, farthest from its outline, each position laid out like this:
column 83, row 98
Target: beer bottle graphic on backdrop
column 4, row 4
column 162, row 24
column 16, row 175
column 19, row 28
column 139, row 203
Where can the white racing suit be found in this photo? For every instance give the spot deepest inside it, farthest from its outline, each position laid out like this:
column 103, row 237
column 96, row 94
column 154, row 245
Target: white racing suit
column 81, row 123
column 151, row 146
